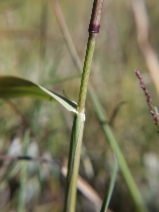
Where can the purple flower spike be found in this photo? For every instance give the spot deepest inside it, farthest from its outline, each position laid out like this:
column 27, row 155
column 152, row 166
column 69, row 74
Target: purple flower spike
column 153, row 109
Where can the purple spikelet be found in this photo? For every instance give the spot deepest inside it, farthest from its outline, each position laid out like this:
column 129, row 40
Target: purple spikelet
column 153, row 109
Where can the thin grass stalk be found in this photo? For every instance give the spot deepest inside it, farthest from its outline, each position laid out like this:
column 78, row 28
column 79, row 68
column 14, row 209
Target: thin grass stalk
column 142, row 26
column 73, row 165
column 86, row 72
column 107, row 198
column 101, row 114
column 78, row 124
column 66, row 35
column 131, row 185
column 65, row 79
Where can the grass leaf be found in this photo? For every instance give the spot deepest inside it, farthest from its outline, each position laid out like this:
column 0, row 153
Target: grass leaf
column 13, row 87
column 111, row 186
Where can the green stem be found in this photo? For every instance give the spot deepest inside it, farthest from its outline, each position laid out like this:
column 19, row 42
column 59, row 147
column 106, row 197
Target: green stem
column 86, row 72
column 78, row 125
column 73, row 165
column 77, row 132
column 100, row 112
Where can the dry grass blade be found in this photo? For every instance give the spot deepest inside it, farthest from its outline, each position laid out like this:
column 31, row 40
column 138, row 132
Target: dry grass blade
column 142, row 25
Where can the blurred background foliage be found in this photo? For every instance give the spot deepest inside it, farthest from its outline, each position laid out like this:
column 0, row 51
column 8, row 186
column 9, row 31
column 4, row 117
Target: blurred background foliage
column 32, row 46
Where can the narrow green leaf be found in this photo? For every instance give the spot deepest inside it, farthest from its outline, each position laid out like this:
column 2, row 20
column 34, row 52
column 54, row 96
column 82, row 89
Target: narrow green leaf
column 111, row 186
column 13, row 87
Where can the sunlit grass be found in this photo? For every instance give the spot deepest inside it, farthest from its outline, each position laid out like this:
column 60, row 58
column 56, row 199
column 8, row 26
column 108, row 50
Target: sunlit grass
column 116, row 58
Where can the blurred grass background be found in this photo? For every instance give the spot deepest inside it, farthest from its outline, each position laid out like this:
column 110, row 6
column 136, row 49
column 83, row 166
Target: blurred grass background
column 32, row 46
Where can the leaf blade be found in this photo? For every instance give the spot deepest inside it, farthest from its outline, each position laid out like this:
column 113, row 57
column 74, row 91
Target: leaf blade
column 15, row 87
column 107, row 197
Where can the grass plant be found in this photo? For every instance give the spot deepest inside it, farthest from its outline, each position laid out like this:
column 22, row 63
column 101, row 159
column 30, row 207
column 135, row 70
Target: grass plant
column 16, row 87
column 11, row 87
column 79, row 119
column 102, row 117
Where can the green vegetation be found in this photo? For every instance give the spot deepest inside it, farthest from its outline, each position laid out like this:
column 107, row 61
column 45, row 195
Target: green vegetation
column 33, row 48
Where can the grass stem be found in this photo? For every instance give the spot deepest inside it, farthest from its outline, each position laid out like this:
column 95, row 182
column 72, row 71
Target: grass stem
column 78, row 125
column 100, row 112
